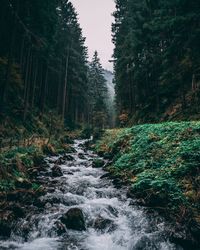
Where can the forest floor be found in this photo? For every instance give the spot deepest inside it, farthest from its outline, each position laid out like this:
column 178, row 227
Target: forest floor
column 161, row 165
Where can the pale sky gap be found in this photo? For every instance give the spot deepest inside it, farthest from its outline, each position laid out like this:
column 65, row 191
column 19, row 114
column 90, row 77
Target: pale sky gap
column 95, row 18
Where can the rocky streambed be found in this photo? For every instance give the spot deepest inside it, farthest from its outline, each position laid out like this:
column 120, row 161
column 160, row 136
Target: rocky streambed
column 80, row 208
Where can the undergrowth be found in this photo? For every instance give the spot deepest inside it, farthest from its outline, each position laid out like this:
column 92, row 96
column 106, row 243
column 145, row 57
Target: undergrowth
column 161, row 163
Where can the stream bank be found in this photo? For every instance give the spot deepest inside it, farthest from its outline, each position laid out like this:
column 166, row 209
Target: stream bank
column 160, row 164
column 82, row 209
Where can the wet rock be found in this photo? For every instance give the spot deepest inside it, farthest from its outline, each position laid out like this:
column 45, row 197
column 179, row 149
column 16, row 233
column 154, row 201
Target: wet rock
column 6, row 219
column 18, row 211
column 60, row 161
column 24, row 230
column 130, row 193
column 59, row 228
column 68, row 158
column 145, row 244
column 54, row 200
column 51, row 190
column 107, row 175
column 74, row 219
column 56, row 171
column 5, row 229
column 103, row 224
column 70, row 173
column 181, row 237
column 81, row 156
column 117, row 183
column 39, row 203
column 54, row 182
column 113, row 211
column 70, row 149
column 98, row 163
column 48, row 205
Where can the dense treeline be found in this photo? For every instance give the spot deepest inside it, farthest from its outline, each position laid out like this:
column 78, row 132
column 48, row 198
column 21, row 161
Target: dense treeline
column 157, row 58
column 98, row 93
column 43, row 61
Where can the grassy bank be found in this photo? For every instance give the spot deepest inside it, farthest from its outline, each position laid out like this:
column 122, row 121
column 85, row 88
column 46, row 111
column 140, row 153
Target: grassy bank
column 161, row 163
column 21, row 164
column 23, row 147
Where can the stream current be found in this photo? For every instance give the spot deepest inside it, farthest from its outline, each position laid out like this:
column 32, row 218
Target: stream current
column 81, row 186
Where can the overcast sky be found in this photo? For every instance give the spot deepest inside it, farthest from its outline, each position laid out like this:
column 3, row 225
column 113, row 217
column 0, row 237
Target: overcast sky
column 95, row 20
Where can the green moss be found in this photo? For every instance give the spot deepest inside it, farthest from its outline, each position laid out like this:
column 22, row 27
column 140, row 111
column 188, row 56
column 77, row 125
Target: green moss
column 158, row 159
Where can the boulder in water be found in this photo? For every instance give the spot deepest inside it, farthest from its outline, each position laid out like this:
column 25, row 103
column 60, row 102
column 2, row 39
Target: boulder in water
column 145, row 244
column 56, row 171
column 18, row 211
column 107, row 175
column 68, row 158
column 59, row 228
column 103, row 224
column 6, row 219
column 60, row 161
column 74, row 219
column 81, row 156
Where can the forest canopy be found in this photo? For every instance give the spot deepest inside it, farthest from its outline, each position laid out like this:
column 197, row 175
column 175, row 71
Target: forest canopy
column 44, row 63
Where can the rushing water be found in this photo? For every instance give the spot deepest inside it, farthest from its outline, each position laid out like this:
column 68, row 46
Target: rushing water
column 81, row 186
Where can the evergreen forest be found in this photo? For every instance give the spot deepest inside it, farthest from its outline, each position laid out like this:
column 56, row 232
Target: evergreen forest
column 93, row 157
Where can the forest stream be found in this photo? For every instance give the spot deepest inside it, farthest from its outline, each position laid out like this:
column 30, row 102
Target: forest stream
column 106, row 219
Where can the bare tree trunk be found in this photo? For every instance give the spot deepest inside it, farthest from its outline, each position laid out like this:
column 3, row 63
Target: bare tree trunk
column 65, row 85
column 59, row 89
column 27, row 74
column 34, row 84
column 44, row 92
column 28, row 85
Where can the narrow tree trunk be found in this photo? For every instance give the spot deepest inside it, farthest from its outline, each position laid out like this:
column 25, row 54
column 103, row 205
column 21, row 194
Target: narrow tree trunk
column 65, row 86
column 34, row 85
column 27, row 74
column 59, row 89
column 44, row 92
column 28, row 86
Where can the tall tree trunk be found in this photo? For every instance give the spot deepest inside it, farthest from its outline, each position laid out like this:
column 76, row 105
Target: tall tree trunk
column 59, row 88
column 44, row 92
column 65, row 85
column 28, row 85
column 34, row 85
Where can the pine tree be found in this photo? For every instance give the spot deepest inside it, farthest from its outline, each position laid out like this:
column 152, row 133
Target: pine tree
column 97, row 92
